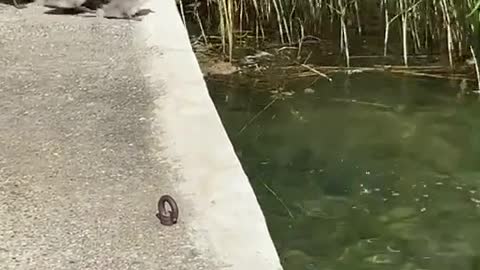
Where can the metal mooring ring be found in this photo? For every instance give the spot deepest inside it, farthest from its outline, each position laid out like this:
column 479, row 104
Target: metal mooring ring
column 167, row 217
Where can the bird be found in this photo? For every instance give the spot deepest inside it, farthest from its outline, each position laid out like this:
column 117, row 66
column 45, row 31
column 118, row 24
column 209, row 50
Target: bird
column 119, row 9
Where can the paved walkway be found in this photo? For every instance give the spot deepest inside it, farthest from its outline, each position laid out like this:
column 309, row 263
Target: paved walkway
column 82, row 161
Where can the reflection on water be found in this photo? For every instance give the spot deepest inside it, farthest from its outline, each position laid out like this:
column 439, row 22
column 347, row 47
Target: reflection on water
column 390, row 181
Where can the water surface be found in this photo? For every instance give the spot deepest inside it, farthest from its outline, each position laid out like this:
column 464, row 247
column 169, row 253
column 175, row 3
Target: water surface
column 370, row 171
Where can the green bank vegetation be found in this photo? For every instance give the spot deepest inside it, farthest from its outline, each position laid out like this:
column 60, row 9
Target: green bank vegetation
column 447, row 27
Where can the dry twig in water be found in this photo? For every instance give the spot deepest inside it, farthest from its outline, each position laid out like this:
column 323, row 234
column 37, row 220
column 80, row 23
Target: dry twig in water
column 437, row 76
column 373, row 104
column 476, row 66
column 317, row 72
column 257, row 115
column 279, row 199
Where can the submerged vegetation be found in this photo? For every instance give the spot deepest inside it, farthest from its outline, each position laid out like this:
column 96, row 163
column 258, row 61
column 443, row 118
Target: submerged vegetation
column 353, row 171
column 389, row 181
column 407, row 27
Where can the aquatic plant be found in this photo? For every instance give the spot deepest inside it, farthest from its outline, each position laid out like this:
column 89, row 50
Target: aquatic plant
column 446, row 27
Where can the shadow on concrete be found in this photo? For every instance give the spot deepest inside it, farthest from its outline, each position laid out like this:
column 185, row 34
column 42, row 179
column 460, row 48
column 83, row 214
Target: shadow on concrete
column 16, row 3
column 64, row 11
column 89, row 12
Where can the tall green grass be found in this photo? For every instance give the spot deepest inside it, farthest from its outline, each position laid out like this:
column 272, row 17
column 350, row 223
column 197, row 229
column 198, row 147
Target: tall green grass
column 449, row 27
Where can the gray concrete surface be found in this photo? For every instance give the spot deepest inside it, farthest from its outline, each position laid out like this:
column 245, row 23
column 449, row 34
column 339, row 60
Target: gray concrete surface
column 98, row 118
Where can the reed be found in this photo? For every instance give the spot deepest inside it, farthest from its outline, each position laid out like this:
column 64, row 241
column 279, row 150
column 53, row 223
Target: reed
column 447, row 27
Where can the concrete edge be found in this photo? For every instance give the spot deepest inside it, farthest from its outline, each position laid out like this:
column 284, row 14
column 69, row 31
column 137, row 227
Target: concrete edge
column 222, row 210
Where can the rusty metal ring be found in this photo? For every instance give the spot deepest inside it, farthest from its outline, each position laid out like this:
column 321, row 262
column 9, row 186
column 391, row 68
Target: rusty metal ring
column 166, row 217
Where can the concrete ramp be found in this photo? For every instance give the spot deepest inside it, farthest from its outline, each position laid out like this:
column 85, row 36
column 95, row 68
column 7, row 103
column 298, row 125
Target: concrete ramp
column 98, row 119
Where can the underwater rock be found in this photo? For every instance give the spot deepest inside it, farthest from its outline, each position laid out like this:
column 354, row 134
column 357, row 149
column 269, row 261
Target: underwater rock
column 328, row 207
column 296, row 259
column 313, row 208
column 443, row 156
column 404, row 230
column 309, row 90
column 219, row 68
column 380, row 259
column 399, row 213
column 409, row 266
column 457, row 249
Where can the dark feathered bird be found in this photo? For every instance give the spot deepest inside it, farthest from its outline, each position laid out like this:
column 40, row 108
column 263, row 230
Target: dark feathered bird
column 105, row 8
column 75, row 4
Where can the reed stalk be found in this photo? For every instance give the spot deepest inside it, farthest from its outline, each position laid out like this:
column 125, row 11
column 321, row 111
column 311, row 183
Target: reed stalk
column 447, row 27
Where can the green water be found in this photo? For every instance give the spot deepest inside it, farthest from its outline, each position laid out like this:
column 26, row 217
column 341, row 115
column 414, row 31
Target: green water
column 390, row 183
